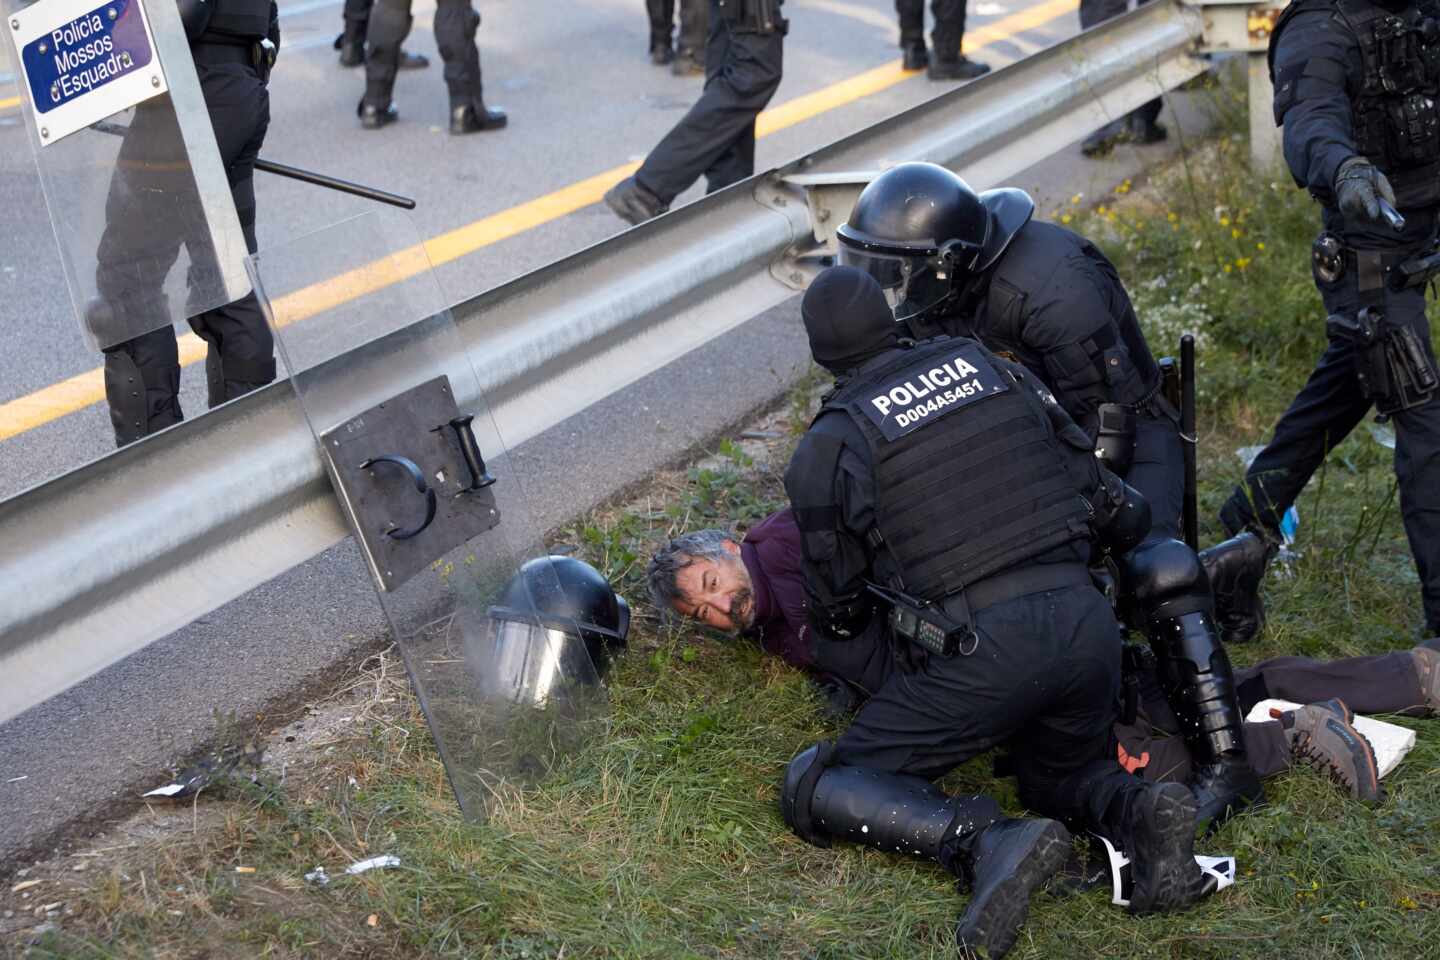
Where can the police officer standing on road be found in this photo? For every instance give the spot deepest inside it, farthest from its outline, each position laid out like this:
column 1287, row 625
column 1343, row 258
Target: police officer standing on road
column 1356, row 84
column 743, row 65
column 455, row 24
column 955, row 262
column 947, row 37
column 234, row 43
column 1137, row 126
column 945, row 481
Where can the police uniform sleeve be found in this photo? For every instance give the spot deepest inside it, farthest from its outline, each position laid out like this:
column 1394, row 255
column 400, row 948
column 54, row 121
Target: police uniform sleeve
column 1070, row 326
column 1313, row 59
column 833, row 499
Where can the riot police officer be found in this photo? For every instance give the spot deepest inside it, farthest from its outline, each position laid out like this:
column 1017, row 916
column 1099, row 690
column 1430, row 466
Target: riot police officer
column 234, row 43
column 947, row 37
column 955, row 262
column 455, row 24
column 744, row 59
column 1356, row 84
column 946, row 482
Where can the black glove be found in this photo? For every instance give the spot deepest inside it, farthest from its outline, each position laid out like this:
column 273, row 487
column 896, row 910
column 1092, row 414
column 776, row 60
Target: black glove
column 1359, row 187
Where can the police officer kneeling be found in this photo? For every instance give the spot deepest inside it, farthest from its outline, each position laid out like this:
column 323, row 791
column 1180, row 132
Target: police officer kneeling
column 947, row 480
column 980, row 265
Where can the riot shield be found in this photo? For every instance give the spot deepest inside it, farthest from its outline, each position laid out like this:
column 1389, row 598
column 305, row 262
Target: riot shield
column 131, row 173
column 507, row 677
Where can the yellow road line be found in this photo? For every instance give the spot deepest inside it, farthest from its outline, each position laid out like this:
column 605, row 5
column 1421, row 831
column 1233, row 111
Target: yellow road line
column 9, row 103
column 80, row 391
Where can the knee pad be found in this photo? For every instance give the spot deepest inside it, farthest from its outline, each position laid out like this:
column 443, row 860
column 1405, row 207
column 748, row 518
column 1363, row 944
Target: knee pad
column 1165, row 579
column 801, row 775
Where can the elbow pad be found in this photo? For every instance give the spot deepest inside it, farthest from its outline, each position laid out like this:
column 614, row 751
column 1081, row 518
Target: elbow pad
column 1122, row 516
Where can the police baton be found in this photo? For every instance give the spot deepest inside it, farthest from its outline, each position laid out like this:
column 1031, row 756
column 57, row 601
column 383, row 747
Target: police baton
column 1189, row 440
column 296, row 173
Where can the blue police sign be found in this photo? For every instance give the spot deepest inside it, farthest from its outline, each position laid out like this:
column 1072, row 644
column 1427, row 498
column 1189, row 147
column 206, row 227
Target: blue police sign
column 83, row 62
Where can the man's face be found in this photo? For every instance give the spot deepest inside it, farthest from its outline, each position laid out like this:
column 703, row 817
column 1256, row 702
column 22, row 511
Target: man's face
column 717, row 594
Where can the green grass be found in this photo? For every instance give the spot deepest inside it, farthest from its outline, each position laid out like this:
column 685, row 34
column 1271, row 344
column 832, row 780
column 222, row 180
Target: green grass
column 663, row 838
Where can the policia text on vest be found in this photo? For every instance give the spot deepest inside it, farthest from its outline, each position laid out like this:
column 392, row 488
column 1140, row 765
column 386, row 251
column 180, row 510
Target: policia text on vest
column 900, row 404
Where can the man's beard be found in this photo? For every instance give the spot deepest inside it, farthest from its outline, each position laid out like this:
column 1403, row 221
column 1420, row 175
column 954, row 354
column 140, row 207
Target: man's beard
column 742, row 610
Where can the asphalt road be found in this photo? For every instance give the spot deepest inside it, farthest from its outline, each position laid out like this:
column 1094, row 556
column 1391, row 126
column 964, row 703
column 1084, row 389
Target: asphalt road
column 583, row 99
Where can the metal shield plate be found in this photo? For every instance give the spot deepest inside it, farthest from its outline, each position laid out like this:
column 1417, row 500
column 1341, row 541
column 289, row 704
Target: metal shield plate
column 132, row 177
column 433, row 498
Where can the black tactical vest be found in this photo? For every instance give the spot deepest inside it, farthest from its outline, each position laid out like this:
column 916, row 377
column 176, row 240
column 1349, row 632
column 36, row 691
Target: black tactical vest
column 1393, row 104
column 969, row 475
column 233, row 21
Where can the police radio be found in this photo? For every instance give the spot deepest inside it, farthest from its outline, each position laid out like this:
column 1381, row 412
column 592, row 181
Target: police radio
column 925, row 624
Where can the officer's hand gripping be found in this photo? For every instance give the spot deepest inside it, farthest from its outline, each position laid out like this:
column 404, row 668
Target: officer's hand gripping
column 1360, row 189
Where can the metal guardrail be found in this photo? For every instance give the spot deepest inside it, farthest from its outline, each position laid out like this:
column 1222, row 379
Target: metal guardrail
column 103, row 561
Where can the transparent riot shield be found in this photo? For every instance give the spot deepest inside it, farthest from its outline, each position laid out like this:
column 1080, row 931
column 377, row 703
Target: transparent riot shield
column 132, row 176
column 508, row 679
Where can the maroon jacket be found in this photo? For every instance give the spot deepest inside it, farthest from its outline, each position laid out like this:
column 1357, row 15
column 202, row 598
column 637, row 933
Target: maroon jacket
column 771, row 551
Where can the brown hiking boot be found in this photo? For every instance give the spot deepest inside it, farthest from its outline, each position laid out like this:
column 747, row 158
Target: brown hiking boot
column 1323, row 736
column 1427, row 671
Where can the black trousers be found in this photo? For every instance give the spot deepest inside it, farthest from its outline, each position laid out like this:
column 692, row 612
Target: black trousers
column 694, row 23
column 945, row 36
column 1328, row 407
column 1158, row 472
column 717, row 137
column 1043, row 682
column 456, row 22
column 241, row 344
column 1093, row 12
column 1385, row 683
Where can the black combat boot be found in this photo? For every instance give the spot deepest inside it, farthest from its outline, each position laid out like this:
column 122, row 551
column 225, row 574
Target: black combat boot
column 957, row 68
column 999, row 860
column 373, row 116
column 1200, row 686
column 1141, row 124
column 351, row 43
column 633, row 203
column 1153, row 824
column 1103, row 140
column 474, row 116
column 914, row 55
column 1235, row 568
column 948, row 63
column 1004, row 865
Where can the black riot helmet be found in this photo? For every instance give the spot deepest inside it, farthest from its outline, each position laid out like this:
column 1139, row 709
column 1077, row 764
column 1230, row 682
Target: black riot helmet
column 847, row 318
column 923, row 233
column 562, row 596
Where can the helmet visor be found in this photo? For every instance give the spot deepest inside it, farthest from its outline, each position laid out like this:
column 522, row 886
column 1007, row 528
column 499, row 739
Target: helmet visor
column 528, row 663
column 912, row 284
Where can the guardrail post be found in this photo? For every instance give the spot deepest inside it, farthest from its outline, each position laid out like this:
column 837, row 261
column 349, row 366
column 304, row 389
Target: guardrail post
column 1236, row 26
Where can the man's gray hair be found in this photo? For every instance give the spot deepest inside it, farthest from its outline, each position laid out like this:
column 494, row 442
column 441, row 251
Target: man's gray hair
column 664, row 569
